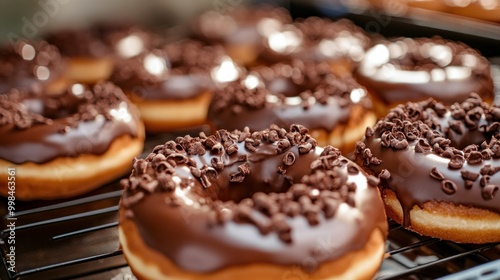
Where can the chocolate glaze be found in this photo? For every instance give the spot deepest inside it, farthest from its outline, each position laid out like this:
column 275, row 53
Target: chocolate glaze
column 304, row 93
column 38, row 128
column 410, row 168
column 179, row 70
column 407, row 69
column 238, row 26
column 203, row 228
column 28, row 65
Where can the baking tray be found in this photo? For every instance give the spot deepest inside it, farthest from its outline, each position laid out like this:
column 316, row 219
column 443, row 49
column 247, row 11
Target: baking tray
column 77, row 238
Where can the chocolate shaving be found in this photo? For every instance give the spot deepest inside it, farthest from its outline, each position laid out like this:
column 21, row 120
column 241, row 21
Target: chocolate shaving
column 244, row 168
column 305, row 148
column 485, row 179
column 474, row 157
column 237, row 177
column 422, row 146
column 318, row 194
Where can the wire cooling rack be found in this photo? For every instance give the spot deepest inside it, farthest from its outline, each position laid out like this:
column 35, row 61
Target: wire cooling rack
column 78, row 239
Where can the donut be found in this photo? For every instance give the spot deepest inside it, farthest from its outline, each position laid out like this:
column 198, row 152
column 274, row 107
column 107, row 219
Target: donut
column 439, row 168
column 31, row 65
column 172, row 86
column 92, row 51
column 66, row 144
column 405, row 69
column 482, row 10
column 335, row 109
column 240, row 205
column 340, row 43
column 435, row 5
column 240, row 30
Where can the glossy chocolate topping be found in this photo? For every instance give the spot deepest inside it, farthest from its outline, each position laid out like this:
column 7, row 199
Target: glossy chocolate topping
column 26, row 65
column 179, row 70
column 437, row 153
column 240, row 25
column 305, row 93
column 38, row 128
column 103, row 40
column 324, row 39
column 406, row 69
column 264, row 197
column 292, row 78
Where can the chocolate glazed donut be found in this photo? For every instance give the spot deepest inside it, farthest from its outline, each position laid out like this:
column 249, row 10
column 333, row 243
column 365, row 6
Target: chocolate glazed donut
column 406, row 69
column 66, row 144
column 335, row 109
column 241, row 205
column 339, row 43
column 439, row 168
